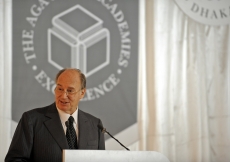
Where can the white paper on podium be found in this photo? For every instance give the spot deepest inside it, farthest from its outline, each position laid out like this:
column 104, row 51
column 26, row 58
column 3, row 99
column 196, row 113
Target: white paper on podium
column 112, row 156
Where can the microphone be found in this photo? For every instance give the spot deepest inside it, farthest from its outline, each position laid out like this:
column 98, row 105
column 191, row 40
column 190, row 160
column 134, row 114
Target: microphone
column 103, row 130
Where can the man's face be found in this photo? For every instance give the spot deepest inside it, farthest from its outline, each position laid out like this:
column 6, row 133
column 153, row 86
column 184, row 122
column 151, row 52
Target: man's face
column 68, row 91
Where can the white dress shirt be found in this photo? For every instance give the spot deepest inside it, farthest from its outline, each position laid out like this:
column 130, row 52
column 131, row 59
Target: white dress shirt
column 64, row 117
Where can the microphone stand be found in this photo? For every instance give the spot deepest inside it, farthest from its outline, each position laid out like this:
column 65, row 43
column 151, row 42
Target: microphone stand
column 103, row 130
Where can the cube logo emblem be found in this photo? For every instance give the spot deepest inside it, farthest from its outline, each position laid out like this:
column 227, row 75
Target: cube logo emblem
column 81, row 34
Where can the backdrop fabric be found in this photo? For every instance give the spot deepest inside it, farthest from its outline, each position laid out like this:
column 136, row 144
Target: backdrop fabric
column 187, row 114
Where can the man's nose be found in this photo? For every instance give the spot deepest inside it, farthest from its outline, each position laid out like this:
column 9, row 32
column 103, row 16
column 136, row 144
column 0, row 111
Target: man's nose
column 64, row 94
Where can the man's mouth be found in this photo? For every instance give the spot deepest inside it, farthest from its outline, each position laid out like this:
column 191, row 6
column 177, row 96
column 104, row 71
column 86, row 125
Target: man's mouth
column 64, row 102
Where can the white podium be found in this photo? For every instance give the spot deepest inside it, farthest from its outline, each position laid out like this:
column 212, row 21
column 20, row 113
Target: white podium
column 112, row 156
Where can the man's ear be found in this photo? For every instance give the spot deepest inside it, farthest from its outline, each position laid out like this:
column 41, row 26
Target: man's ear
column 83, row 92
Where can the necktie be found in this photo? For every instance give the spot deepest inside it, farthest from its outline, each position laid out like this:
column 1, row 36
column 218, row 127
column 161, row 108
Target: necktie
column 71, row 134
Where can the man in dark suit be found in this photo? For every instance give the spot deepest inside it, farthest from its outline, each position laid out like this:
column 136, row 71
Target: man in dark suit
column 41, row 134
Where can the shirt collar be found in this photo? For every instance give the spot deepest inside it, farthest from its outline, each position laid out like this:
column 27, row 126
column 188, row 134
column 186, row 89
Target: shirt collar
column 64, row 116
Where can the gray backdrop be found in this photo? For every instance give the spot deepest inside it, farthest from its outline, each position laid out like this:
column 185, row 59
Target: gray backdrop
column 99, row 37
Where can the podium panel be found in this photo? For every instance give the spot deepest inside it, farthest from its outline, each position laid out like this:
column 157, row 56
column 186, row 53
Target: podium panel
column 112, row 156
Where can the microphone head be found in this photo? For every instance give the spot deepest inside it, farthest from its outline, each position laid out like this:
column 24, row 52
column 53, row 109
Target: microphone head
column 103, row 130
column 100, row 126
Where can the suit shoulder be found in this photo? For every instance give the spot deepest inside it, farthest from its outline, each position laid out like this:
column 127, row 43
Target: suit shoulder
column 37, row 111
column 89, row 116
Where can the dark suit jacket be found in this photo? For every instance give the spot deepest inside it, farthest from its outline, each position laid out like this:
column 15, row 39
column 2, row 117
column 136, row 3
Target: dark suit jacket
column 39, row 136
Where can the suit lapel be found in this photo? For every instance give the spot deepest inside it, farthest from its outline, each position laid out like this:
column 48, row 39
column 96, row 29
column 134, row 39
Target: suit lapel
column 83, row 130
column 55, row 127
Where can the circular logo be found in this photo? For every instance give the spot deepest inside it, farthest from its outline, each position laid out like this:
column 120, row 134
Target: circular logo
column 210, row 12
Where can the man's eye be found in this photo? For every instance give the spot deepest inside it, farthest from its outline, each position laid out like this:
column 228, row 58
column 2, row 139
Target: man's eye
column 70, row 91
column 60, row 89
